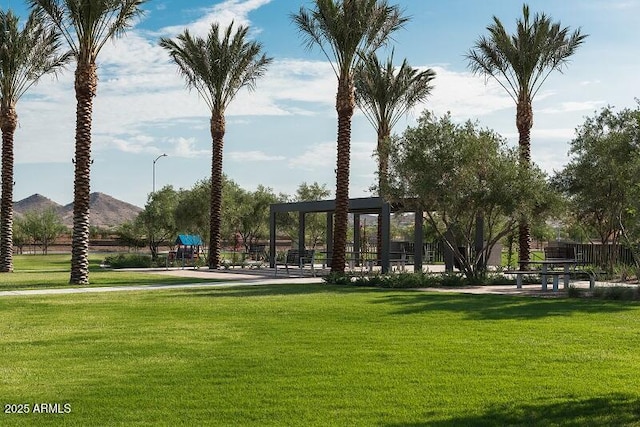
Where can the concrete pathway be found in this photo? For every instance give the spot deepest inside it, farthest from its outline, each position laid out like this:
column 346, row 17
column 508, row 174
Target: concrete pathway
column 226, row 279
column 256, row 277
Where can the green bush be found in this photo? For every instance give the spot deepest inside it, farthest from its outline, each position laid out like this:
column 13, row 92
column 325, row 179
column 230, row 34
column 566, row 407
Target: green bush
column 621, row 293
column 338, row 278
column 128, row 261
column 401, row 280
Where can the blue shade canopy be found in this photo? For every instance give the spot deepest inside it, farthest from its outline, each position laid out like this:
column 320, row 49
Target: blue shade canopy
column 189, row 240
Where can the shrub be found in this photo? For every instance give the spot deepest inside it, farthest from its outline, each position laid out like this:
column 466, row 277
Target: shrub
column 622, row 293
column 401, row 280
column 624, row 272
column 338, row 279
column 128, row 261
column 453, row 280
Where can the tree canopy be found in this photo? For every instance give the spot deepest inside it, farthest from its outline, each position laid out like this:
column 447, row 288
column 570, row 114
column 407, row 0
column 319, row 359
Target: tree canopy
column 601, row 179
column 457, row 172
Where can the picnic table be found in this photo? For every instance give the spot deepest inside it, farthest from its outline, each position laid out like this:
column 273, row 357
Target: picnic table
column 547, row 269
column 555, row 268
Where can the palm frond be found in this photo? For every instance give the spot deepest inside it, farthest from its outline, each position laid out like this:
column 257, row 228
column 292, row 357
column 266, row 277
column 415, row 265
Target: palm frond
column 346, row 30
column 87, row 25
column 220, row 65
column 26, row 54
column 385, row 94
column 521, row 62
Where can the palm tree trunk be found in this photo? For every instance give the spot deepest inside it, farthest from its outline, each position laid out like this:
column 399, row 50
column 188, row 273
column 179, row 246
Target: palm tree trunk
column 524, row 122
column 217, row 137
column 8, row 124
column 345, row 104
column 383, row 172
column 86, row 81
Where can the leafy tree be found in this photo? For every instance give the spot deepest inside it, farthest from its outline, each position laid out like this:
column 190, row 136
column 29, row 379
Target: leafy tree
column 346, row 31
column 193, row 209
column 43, row 227
column 131, row 234
column 20, row 237
column 521, row 63
column 455, row 173
column 86, row 25
column 315, row 223
column 217, row 67
column 601, row 179
column 254, row 214
column 158, row 218
column 26, row 55
column 232, row 196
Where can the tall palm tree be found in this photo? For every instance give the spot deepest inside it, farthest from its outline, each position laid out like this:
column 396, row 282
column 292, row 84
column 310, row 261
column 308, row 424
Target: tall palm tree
column 25, row 55
column 346, row 31
column 521, row 63
column 86, row 25
column 217, row 67
column 384, row 95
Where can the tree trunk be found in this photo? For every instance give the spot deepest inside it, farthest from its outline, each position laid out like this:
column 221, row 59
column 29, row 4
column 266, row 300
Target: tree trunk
column 524, row 122
column 217, row 137
column 345, row 104
column 383, row 172
column 86, row 81
column 8, row 124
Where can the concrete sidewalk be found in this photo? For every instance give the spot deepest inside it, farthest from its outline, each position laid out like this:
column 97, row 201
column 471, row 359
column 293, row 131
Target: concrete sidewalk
column 236, row 280
column 257, row 277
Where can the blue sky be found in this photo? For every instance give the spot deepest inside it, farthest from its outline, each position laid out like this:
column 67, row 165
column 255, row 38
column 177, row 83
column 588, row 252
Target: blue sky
column 284, row 133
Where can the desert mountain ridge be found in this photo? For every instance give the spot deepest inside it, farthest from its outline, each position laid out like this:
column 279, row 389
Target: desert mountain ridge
column 105, row 211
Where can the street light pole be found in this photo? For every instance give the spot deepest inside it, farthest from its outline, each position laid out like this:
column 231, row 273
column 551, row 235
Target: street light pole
column 154, row 170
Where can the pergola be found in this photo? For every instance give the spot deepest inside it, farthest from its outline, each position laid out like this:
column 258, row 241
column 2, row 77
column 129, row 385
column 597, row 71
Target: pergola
column 357, row 206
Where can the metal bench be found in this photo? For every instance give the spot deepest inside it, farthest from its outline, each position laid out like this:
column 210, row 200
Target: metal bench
column 295, row 258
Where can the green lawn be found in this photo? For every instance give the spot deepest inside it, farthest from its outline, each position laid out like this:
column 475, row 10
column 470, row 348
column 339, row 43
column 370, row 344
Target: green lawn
column 52, row 271
column 305, row 355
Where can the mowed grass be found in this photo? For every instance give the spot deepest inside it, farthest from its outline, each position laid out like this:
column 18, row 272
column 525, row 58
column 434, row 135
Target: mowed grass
column 52, row 271
column 318, row 355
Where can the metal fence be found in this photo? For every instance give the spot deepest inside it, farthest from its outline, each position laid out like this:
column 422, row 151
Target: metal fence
column 596, row 254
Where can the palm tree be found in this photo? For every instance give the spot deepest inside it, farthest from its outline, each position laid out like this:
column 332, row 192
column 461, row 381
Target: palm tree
column 86, row 25
column 217, row 67
column 25, row 56
column 521, row 63
column 384, row 95
column 346, row 31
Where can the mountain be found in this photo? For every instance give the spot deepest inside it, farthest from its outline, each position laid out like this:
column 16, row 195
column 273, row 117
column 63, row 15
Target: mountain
column 35, row 202
column 105, row 211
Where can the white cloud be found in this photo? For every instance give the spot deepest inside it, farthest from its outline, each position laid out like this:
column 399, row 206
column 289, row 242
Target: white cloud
column 570, row 106
column 236, row 11
column 186, row 147
column 465, row 95
column 302, row 81
column 562, row 134
column 135, row 144
column 251, row 156
column 319, row 156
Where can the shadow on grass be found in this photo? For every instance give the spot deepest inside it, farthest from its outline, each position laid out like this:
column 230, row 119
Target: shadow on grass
column 475, row 307
column 496, row 307
column 614, row 410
